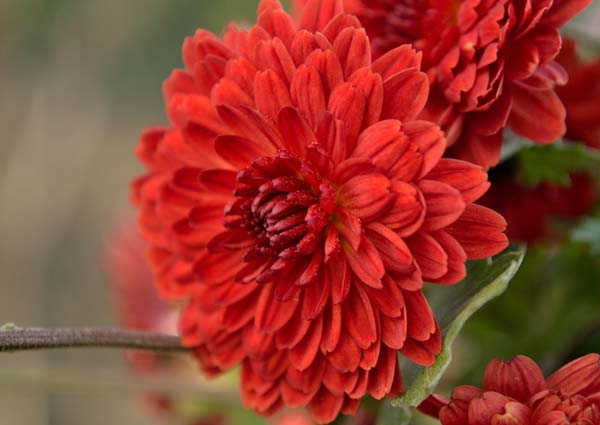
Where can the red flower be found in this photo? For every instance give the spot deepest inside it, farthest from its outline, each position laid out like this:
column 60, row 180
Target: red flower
column 530, row 211
column 490, row 64
column 516, row 393
column 299, row 205
column 580, row 96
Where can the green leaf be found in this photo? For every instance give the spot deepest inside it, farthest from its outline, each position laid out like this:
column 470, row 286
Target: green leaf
column 10, row 326
column 588, row 231
column 453, row 306
column 553, row 163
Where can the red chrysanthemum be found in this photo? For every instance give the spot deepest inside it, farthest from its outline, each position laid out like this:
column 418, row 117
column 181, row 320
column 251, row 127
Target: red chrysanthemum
column 580, row 96
column 490, row 64
column 530, row 211
column 515, row 393
column 299, row 205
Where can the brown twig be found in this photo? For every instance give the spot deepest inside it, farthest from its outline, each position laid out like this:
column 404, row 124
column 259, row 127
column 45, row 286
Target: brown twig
column 21, row 339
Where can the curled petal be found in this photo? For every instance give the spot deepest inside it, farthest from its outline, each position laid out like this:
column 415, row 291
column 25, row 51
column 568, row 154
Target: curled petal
column 366, row 196
column 430, row 141
column 519, row 378
column 469, row 179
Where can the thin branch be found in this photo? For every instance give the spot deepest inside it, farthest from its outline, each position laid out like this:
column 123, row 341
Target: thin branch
column 21, row 339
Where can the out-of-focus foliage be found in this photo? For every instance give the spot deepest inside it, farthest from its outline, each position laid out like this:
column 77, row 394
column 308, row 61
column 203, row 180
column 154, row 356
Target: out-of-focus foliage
column 554, row 163
column 550, row 312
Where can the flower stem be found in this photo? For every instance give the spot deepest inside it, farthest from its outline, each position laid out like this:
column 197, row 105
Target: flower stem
column 21, row 339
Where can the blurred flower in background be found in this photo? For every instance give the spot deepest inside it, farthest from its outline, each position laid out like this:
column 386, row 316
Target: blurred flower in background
column 490, row 64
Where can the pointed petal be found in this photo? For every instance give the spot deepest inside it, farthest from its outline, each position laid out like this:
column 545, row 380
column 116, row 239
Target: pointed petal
column 423, row 352
column 381, row 377
column 429, row 255
column 538, row 115
column 480, row 231
column 405, row 95
column 303, row 354
column 346, row 355
column 456, row 259
column 308, row 94
column 393, row 251
column 271, row 314
column 271, row 93
column 325, row 406
column 365, row 262
column 444, row 204
column 332, row 327
column 357, row 314
column 397, row 60
column 318, row 13
column 421, row 324
column 388, row 299
column 353, row 49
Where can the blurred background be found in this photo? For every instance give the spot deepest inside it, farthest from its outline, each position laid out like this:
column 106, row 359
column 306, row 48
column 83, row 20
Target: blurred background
column 79, row 80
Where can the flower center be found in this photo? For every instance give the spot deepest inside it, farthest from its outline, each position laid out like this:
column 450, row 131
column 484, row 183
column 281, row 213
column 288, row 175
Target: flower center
column 282, row 204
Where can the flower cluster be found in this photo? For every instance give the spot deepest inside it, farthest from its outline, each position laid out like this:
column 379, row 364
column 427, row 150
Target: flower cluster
column 490, row 64
column 299, row 205
column 317, row 170
column 516, row 393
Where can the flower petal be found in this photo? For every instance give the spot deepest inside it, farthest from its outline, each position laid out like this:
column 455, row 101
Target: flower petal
column 538, row 115
column 468, row 178
column 577, row 376
column 480, row 231
column 366, row 196
column 519, row 378
column 405, row 95
column 444, row 204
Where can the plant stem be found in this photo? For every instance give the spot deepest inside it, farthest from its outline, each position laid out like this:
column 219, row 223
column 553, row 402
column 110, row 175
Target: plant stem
column 21, row 339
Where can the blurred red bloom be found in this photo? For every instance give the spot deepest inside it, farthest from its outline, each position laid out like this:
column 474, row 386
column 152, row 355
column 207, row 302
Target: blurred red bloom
column 134, row 296
column 137, row 306
column 580, row 96
column 295, row 192
column 516, row 393
column 529, row 211
column 490, row 64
